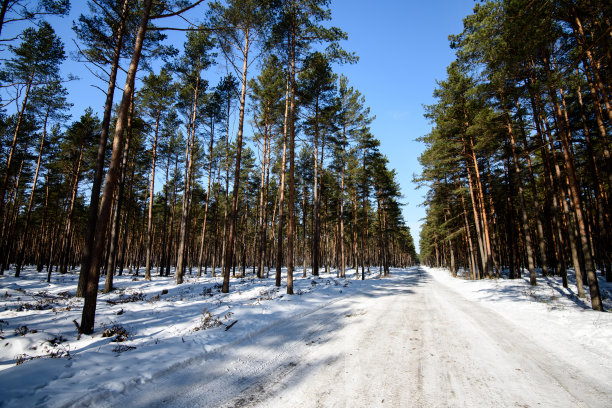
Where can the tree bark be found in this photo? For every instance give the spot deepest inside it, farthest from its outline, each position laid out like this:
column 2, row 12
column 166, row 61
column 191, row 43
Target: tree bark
column 114, row 234
column 92, row 215
column 14, row 142
column 291, row 198
column 210, row 175
column 281, row 197
column 180, row 262
column 151, row 198
column 26, row 227
column 91, row 293
column 524, row 216
column 232, row 227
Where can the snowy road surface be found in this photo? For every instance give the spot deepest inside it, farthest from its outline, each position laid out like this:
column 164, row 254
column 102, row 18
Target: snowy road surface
column 409, row 341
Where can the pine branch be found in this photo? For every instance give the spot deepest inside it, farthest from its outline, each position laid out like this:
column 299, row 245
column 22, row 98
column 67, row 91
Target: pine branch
column 176, row 13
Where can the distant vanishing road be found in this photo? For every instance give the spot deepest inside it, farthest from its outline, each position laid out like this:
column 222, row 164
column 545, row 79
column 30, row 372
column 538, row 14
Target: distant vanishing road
column 406, row 342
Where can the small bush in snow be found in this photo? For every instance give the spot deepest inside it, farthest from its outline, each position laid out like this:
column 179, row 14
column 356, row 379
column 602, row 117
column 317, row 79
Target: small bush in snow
column 207, row 321
column 121, row 333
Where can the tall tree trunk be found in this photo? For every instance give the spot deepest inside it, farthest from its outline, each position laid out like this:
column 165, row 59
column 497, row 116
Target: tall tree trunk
column 264, row 241
column 603, row 242
column 91, row 292
column 262, row 203
column 151, row 197
column 182, row 246
column 291, row 198
column 477, row 222
column 472, row 257
column 565, row 136
column 210, row 175
column 486, row 239
column 3, row 11
column 341, row 207
column 232, row 227
column 524, row 216
column 26, row 227
column 577, row 204
column 92, row 215
column 304, row 217
column 316, row 220
column 75, row 185
column 281, row 197
column 354, row 234
column 14, row 142
column 114, row 233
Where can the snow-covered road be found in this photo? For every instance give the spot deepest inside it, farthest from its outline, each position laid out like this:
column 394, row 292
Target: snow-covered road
column 409, row 341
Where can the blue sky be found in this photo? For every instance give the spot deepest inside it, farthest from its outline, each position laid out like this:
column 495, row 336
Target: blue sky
column 402, row 48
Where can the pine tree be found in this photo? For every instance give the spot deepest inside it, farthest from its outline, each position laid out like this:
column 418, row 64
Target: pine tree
column 35, row 62
column 50, row 105
column 317, row 93
column 12, row 11
column 240, row 24
column 156, row 96
column 195, row 60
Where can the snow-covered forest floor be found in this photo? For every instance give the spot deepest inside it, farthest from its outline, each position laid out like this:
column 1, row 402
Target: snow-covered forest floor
column 150, row 333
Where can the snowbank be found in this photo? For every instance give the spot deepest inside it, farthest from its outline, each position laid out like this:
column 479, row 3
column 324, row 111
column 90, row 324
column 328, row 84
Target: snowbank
column 152, row 326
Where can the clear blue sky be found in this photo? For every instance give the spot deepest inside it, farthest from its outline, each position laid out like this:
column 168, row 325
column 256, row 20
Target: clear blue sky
column 403, row 48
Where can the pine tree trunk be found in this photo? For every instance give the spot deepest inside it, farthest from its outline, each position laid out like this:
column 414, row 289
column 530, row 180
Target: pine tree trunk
column 230, row 243
column 14, row 142
column 354, row 234
column 524, row 216
column 3, row 13
column 91, row 292
column 26, row 227
column 182, row 244
column 291, row 198
column 603, row 242
column 151, row 197
column 262, row 205
column 598, row 82
column 486, row 239
column 210, row 175
column 472, row 258
column 92, row 216
column 477, row 222
column 341, row 205
column 577, row 204
column 264, row 241
column 304, row 217
column 556, row 211
column 75, row 185
column 114, row 234
column 281, row 197
column 316, row 220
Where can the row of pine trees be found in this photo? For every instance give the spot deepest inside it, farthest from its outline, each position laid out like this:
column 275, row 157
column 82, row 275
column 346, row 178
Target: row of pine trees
column 518, row 164
column 170, row 178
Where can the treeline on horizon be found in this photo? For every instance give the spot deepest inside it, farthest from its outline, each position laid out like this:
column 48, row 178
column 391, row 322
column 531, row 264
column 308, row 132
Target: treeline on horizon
column 518, row 164
column 309, row 190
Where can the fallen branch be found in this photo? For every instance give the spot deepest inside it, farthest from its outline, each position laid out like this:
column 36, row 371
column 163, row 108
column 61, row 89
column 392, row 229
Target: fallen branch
column 78, row 329
column 230, row 326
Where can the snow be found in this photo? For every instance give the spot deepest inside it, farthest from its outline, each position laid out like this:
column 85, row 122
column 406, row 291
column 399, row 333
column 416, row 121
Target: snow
column 166, row 330
column 416, row 338
column 546, row 308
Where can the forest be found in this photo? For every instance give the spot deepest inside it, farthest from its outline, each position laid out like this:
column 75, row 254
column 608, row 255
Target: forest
column 517, row 166
column 210, row 203
column 273, row 165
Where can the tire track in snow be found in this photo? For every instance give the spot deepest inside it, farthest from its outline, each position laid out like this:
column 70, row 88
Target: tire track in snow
column 411, row 342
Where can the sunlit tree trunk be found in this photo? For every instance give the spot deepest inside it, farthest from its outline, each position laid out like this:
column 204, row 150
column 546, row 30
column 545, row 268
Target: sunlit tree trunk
column 91, row 293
